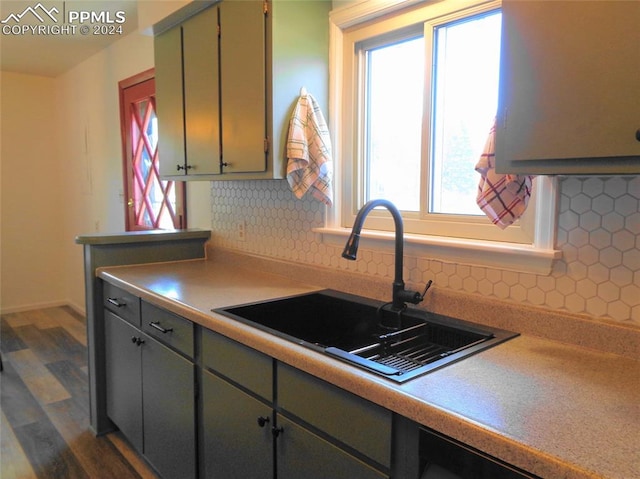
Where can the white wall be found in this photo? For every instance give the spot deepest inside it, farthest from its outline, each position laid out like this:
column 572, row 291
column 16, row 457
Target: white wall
column 89, row 108
column 89, row 119
column 33, row 203
column 62, row 173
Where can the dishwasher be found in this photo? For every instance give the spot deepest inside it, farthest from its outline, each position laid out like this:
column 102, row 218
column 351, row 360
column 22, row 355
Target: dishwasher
column 445, row 458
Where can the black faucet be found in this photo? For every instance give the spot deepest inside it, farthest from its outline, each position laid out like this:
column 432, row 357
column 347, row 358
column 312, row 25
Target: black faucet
column 400, row 296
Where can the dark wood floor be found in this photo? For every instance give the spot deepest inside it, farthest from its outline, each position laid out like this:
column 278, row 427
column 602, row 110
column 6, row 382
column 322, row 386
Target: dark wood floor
column 44, row 402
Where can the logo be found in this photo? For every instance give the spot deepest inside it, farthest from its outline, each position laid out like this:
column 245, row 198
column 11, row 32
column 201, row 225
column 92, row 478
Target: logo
column 58, row 20
column 35, row 12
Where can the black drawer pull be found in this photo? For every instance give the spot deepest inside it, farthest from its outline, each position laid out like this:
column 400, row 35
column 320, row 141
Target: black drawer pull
column 262, row 421
column 116, row 303
column 156, row 325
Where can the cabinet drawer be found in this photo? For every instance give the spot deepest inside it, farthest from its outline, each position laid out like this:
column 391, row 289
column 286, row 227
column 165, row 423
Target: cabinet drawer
column 241, row 364
column 122, row 303
column 168, row 328
column 355, row 421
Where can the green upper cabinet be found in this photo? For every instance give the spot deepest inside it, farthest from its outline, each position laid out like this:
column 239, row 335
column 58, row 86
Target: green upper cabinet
column 168, row 58
column 243, row 87
column 227, row 81
column 187, row 97
column 201, row 96
column 569, row 88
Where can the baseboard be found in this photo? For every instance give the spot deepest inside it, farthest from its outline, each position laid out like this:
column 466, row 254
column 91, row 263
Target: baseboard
column 47, row 304
column 80, row 309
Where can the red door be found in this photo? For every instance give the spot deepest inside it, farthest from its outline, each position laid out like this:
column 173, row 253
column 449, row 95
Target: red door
column 151, row 203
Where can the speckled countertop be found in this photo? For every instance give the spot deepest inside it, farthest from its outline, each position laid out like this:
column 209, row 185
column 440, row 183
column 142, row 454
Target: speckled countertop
column 555, row 409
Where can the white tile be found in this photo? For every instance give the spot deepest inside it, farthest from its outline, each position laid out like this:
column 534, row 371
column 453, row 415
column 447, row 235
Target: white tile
column 623, row 240
column 619, row 310
column 590, row 221
column 592, row 187
column 613, row 222
column 580, row 203
column 615, row 187
column 626, row 205
column 602, row 204
column 600, row 238
column 610, row 257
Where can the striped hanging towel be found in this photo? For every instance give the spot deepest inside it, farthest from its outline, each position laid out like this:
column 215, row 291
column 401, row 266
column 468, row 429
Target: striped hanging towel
column 310, row 164
column 503, row 198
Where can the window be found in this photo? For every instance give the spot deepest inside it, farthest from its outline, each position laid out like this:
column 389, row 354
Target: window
column 151, row 203
column 466, row 56
column 464, row 91
column 414, row 97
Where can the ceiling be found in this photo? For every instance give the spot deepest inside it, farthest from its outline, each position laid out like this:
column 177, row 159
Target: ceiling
column 42, row 37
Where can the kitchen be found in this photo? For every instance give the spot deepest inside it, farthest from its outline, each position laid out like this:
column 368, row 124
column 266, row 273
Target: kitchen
column 75, row 165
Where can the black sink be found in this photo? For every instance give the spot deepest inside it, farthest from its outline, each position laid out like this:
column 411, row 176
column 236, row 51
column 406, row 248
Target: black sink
column 365, row 333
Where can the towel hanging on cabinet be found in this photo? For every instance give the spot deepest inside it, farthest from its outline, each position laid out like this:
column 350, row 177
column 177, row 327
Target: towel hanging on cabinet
column 309, row 159
column 503, row 198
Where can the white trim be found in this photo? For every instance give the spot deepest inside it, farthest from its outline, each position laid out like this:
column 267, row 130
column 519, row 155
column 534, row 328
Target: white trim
column 490, row 254
column 366, row 10
column 335, row 100
column 546, row 217
column 42, row 305
column 534, row 258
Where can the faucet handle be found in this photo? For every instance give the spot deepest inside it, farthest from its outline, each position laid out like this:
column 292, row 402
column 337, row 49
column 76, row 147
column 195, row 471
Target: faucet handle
column 426, row 288
column 414, row 297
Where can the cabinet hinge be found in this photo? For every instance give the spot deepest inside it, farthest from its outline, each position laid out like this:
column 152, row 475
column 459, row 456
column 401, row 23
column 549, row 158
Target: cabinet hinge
column 266, row 145
column 265, row 7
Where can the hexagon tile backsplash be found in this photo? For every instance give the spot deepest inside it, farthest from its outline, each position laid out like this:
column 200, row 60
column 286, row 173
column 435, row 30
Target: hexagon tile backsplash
column 598, row 233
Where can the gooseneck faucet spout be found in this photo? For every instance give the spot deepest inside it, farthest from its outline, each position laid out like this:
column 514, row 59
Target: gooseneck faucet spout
column 399, row 294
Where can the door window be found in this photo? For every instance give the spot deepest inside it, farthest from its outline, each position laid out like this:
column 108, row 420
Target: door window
column 151, row 203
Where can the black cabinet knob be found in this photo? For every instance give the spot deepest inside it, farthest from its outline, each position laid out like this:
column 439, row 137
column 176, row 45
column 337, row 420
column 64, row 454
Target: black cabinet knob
column 276, row 431
column 262, row 421
column 137, row 341
column 638, row 134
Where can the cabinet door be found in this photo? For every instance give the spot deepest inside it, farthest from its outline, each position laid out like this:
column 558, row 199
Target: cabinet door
column 169, row 106
column 303, row 454
column 201, row 98
column 350, row 419
column 124, row 378
column 243, row 85
column 570, row 87
column 236, row 444
column 168, row 411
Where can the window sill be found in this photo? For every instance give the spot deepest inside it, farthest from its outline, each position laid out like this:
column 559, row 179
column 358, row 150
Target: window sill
column 489, row 254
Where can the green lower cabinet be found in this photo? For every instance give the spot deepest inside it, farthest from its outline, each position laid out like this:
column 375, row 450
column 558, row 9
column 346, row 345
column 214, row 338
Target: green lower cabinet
column 303, row 454
column 151, row 398
column 300, row 429
column 168, row 411
column 123, row 377
column 238, row 442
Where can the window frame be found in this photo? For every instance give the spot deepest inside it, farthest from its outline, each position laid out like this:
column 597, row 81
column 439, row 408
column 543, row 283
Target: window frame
column 134, row 89
column 352, row 24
